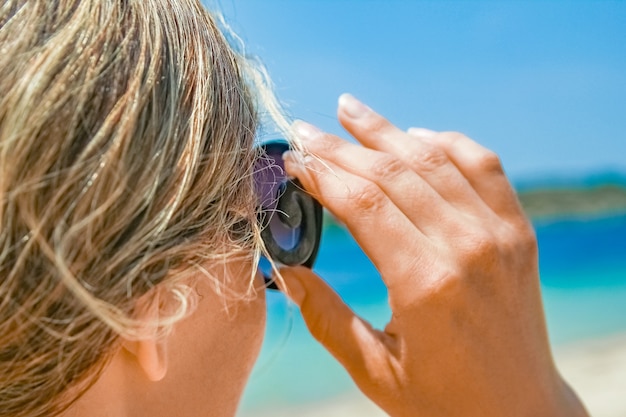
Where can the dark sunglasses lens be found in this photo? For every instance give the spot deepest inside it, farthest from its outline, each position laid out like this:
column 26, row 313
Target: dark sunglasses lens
column 269, row 174
column 290, row 218
column 274, row 180
column 286, row 237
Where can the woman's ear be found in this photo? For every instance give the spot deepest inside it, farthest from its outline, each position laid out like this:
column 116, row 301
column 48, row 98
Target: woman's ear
column 150, row 350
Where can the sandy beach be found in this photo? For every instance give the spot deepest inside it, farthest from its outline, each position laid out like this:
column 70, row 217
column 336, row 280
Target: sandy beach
column 596, row 369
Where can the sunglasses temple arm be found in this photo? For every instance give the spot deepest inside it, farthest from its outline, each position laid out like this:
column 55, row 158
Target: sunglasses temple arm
column 270, row 283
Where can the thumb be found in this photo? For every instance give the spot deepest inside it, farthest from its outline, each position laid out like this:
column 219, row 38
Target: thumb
column 362, row 350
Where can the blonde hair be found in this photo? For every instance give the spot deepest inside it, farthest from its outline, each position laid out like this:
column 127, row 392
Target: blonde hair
column 126, row 159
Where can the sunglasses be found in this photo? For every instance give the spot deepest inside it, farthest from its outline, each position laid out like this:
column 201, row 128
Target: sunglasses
column 290, row 219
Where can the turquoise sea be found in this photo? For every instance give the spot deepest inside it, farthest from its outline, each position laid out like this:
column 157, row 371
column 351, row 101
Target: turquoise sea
column 583, row 276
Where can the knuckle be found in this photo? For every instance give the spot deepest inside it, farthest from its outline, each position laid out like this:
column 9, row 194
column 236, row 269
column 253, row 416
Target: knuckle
column 367, row 197
column 387, row 167
column 519, row 250
column 528, row 241
column 480, row 252
column 488, row 161
column 522, row 240
column 445, row 284
column 429, row 159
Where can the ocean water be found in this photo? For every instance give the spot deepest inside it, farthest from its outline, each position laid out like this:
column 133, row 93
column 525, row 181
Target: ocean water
column 583, row 277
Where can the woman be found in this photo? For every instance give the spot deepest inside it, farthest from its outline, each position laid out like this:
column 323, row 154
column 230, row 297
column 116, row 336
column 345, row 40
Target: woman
column 129, row 240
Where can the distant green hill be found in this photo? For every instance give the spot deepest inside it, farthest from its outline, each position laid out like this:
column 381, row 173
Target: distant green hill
column 598, row 194
column 599, row 200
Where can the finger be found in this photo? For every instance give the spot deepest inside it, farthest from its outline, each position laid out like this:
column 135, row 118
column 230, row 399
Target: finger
column 366, row 353
column 483, row 171
column 417, row 200
column 425, row 158
column 377, row 224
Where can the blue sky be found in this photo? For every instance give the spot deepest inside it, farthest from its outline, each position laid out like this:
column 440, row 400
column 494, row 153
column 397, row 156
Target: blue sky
column 543, row 83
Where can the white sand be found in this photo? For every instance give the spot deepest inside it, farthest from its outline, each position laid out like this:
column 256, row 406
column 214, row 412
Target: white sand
column 596, row 369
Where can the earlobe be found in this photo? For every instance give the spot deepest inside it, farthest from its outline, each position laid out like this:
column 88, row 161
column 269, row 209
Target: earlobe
column 152, row 357
column 150, row 351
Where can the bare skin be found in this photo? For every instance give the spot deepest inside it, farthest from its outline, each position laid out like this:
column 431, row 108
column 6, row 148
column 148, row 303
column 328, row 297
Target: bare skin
column 199, row 369
column 437, row 216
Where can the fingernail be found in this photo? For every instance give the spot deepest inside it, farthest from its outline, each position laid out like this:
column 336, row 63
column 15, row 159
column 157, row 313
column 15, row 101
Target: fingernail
column 294, row 161
column 288, row 156
column 421, row 133
column 353, row 107
column 295, row 290
column 305, row 131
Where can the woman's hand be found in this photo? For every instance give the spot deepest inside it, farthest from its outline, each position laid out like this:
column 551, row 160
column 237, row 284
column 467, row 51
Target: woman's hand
column 439, row 220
